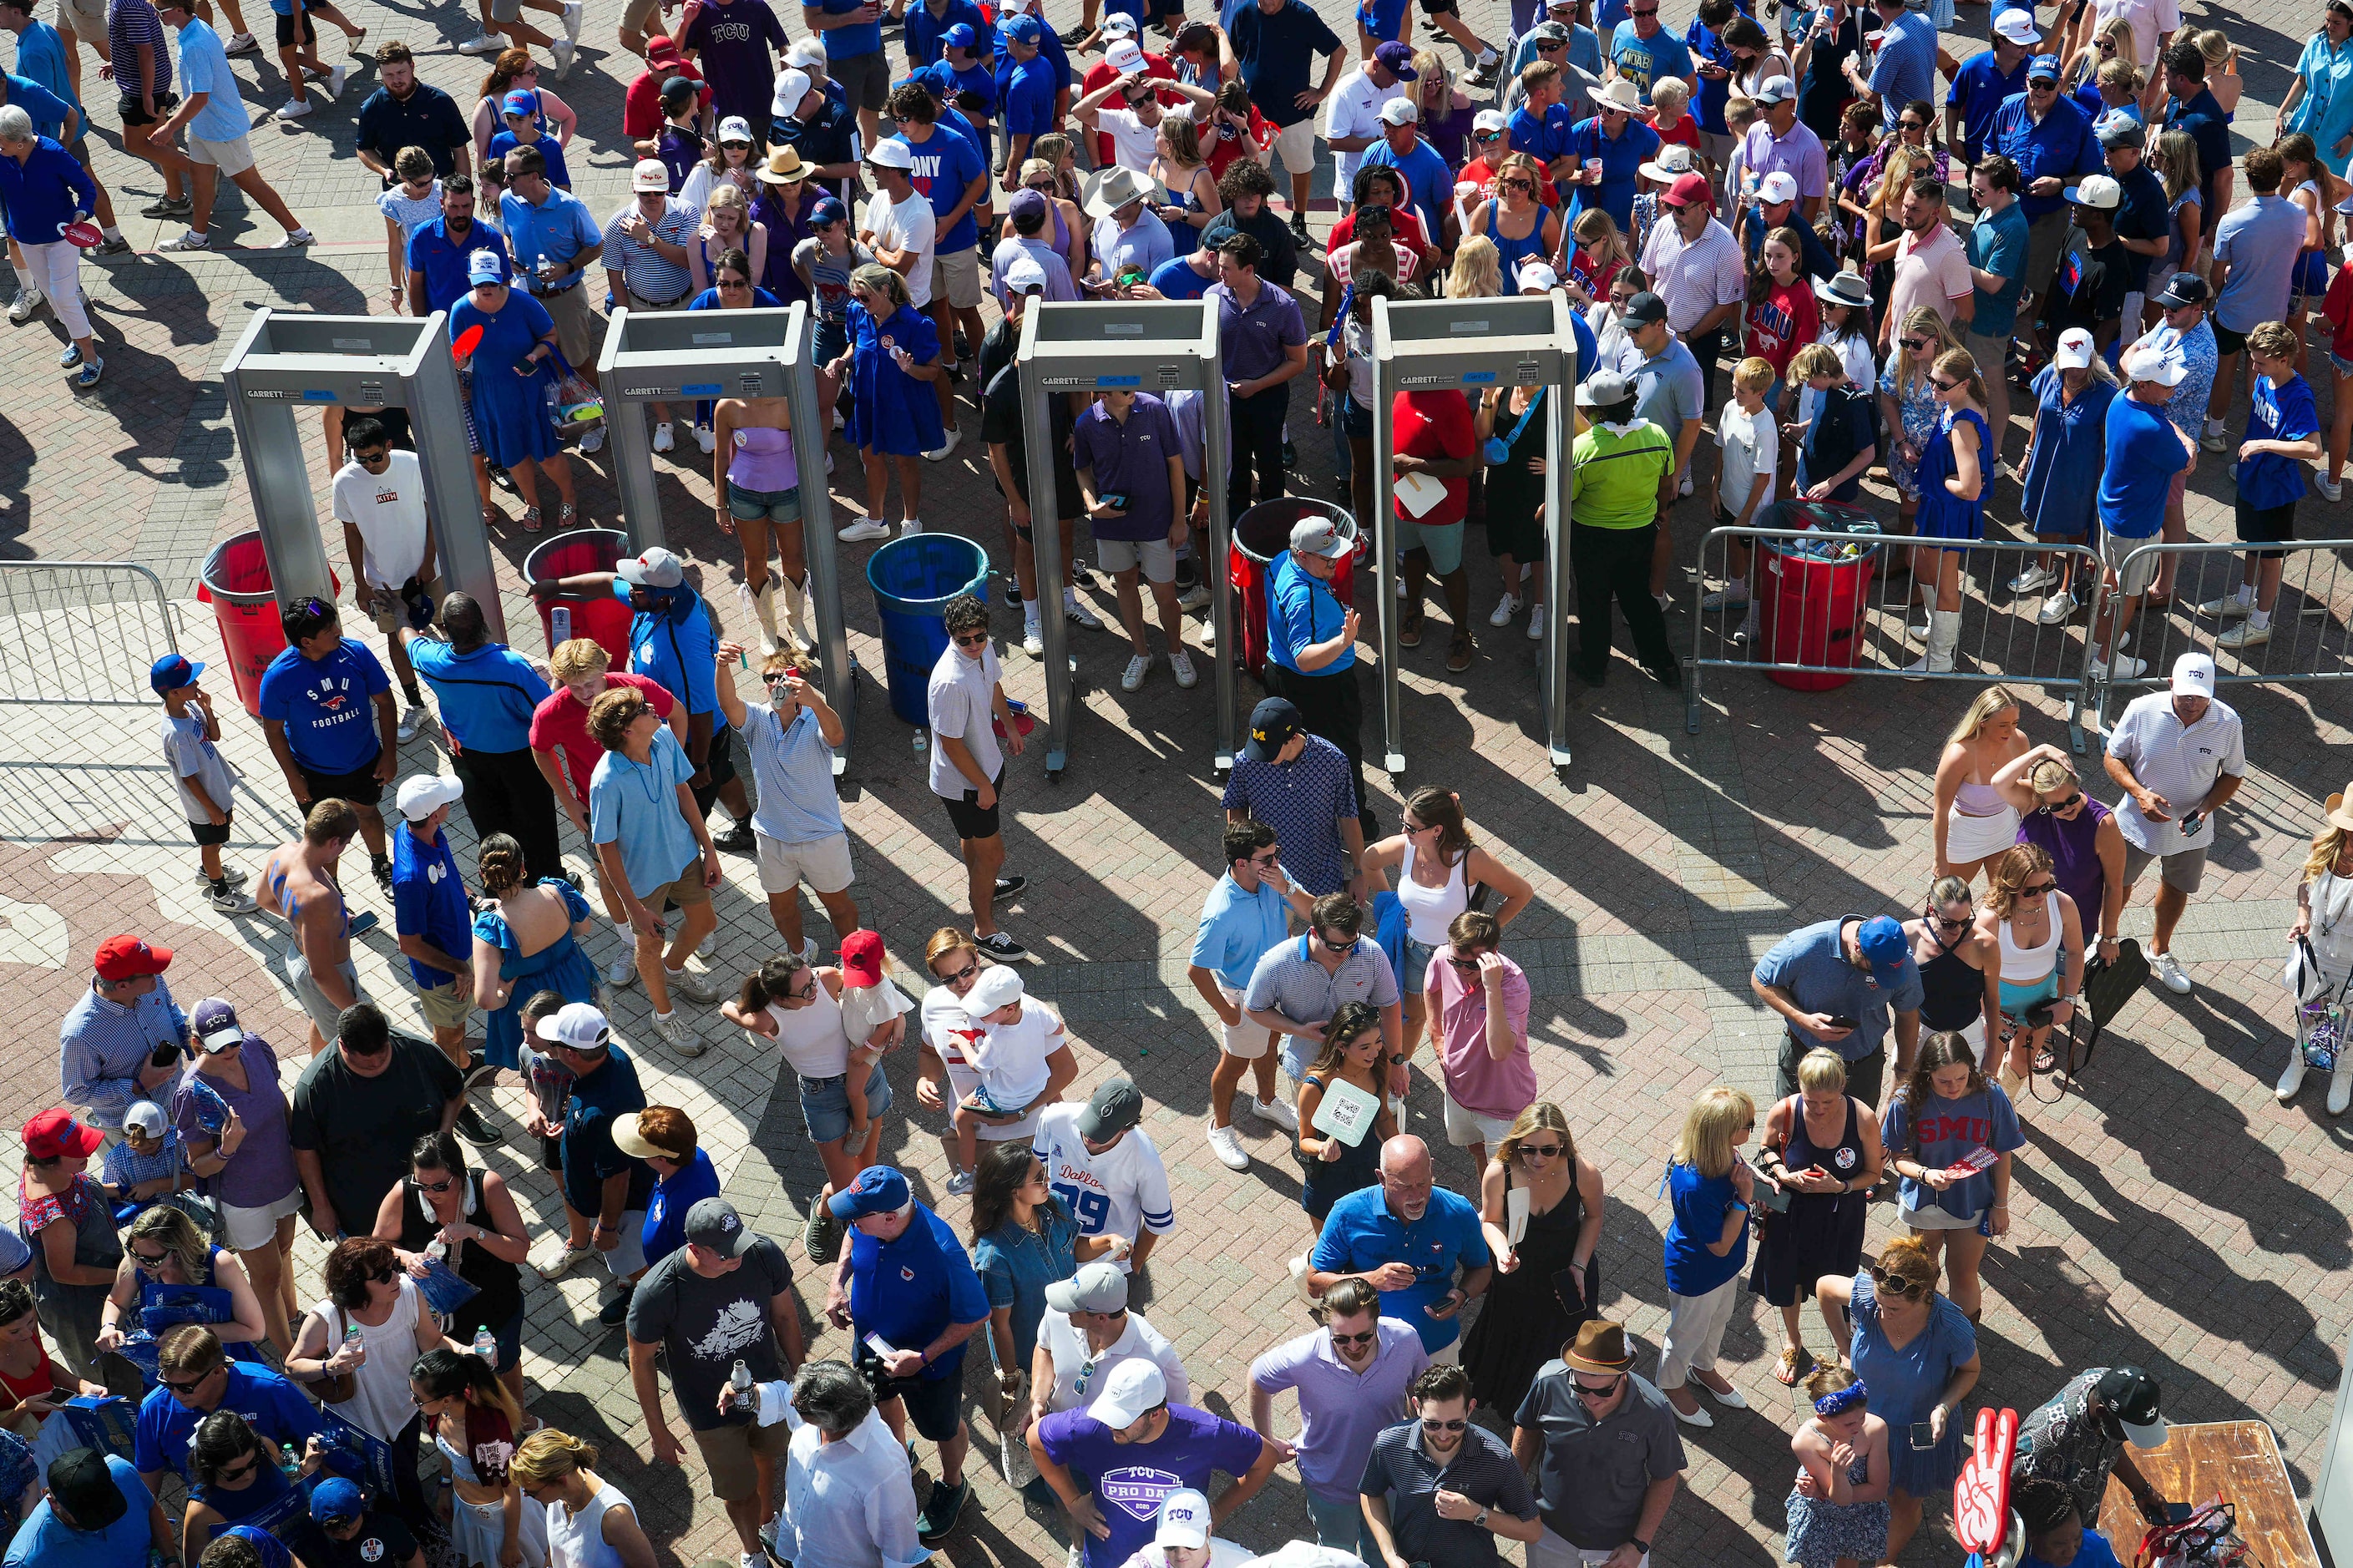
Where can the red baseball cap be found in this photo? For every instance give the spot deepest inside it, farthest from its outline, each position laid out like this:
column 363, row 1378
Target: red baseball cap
column 126, row 957
column 1689, row 191
column 861, row 958
column 662, row 47
column 54, row 1133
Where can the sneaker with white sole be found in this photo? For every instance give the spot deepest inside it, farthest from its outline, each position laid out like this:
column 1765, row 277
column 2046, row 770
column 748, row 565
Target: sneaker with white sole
column 190, row 240
column 69, row 356
column 960, row 1183
column 2032, row 578
column 241, row 44
column 1684, row 487
column 229, row 902
column 622, row 971
column 864, row 528
column 2126, row 668
column 1536, row 622
column 564, row 1262
column 707, row 438
column 1196, row 598
column 2215, row 441
column 1733, row 599
column 573, row 12
column 2060, row 606
column 1227, row 1145
column 28, row 301
column 2169, row 970
column 1000, row 947
column 335, row 80
column 1033, row 638
column 694, row 985
column 487, row 44
column 412, row 719
column 563, row 49
column 1131, row 678
column 233, row 876
column 1180, row 665
column 665, row 438
column 2228, row 607
column 1278, row 1111
column 1072, row 610
column 90, row 375
column 296, row 240
column 2246, row 634
column 593, row 442
column 294, row 108
column 2330, row 490
column 1506, row 608
column 940, row 452
column 679, row 1034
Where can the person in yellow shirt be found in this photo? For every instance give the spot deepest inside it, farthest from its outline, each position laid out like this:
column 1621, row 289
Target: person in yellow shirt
column 1620, row 483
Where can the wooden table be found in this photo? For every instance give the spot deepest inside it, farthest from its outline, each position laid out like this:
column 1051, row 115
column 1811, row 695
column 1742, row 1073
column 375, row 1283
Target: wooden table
column 2237, row 1461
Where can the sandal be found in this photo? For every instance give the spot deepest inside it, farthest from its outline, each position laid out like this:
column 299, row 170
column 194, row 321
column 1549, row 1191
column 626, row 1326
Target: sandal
column 566, row 516
column 1410, row 627
column 1795, row 1361
column 1458, row 656
column 530, row 523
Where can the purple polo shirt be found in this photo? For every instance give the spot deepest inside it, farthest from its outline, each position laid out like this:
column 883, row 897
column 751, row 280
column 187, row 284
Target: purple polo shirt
column 1800, row 153
column 1253, row 338
column 1340, row 1411
column 1130, row 458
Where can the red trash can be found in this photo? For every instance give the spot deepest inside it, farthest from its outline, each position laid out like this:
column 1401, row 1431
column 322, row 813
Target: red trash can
column 1810, row 606
column 235, row 580
column 606, row 620
column 1260, row 535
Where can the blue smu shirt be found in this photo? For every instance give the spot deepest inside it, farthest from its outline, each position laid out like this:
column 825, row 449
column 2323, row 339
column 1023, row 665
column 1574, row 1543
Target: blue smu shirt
column 270, row 1405
column 1543, row 138
column 428, row 900
column 944, row 166
column 1025, row 91
column 2281, row 413
column 486, row 694
column 675, row 646
column 2145, row 451
column 1237, row 929
column 1979, row 91
column 1300, row 612
column 912, row 1290
column 849, row 43
column 637, row 808
column 1950, row 1131
column 327, row 706
column 666, row 1206
column 1176, row 280
column 443, row 261
column 1360, row 1234
column 43, row 1541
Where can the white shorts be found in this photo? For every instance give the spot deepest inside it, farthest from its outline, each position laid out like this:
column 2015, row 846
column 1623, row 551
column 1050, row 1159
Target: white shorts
column 963, row 1080
column 1465, row 1128
column 1451, row 1356
column 1937, row 1219
column 1245, row 1041
column 1293, row 147
column 822, row 863
column 1970, row 838
column 956, row 276
column 1157, row 556
column 1549, row 1551
column 249, row 1230
column 231, row 158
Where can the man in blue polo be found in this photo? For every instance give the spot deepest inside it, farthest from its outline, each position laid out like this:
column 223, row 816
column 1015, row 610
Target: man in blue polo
column 1903, row 68
column 555, row 240
column 905, row 1281
column 435, row 923
column 1311, row 644
column 196, row 1378
column 1987, row 80
column 440, row 252
column 1834, row 984
column 2047, row 134
column 1246, row 916
column 486, row 692
column 1406, row 1238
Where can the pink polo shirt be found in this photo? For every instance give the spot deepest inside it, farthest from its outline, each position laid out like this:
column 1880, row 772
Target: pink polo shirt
column 1458, row 1023
column 1934, row 272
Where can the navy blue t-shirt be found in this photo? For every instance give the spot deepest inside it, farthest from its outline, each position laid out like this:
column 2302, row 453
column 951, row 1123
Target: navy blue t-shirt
column 428, row 900
column 590, row 1154
column 327, row 706
column 1278, row 51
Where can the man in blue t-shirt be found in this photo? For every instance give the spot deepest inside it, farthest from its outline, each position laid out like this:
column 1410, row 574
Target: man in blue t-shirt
column 440, row 252
column 2193, row 110
column 198, row 1378
column 2282, row 436
column 1025, row 93
column 1311, row 647
column 95, row 1514
column 316, row 700
column 604, row 1188
column 1985, row 80
column 951, row 171
column 433, row 922
column 486, row 692
column 1113, row 1463
column 906, row 1290
column 1406, row 1237
column 2148, row 455
column 1429, row 181
column 1277, row 42
column 1642, row 52
column 851, row 31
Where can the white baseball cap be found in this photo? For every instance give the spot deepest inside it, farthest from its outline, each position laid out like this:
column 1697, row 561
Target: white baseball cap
column 2099, row 192
column 2074, row 351
column 146, row 1119
column 1184, row 1521
column 1537, row 277
column 422, row 795
column 1133, row 1387
column 1780, row 186
column 2159, row 363
column 889, row 153
column 575, row 1024
column 792, row 86
column 999, row 985
column 807, row 53
column 2194, row 675
column 2018, row 26
column 1492, row 120
column 1125, row 57
column 651, row 174
column 1400, row 111
column 735, row 128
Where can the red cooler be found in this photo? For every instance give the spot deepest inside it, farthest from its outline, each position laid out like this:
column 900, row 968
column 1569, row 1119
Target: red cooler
column 567, row 555
column 1260, row 535
column 1811, row 610
column 235, row 580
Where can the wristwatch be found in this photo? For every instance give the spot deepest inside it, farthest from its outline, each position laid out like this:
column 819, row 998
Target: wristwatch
column 1639, row 1544
column 1481, row 1519
column 1397, row 1058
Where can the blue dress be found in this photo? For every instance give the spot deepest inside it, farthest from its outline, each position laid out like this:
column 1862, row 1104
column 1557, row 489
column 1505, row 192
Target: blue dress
column 890, row 411
column 2061, row 485
column 510, row 411
column 1904, row 1384
column 1942, row 514
column 1822, row 1531
column 560, row 967
column 1511, row 251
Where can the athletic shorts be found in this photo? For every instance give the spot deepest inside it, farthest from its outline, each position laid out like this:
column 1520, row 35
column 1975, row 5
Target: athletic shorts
column 956, row 275
column 232, row 157
column 1443, row 543
column 2266, row 525
column 250, row 1229
column 1157, row 556
column 865, row 80
column 2114, row 551
column 133, row 115
column 727, row 1453
column 285, row 31
column 969, row 818
column 1245, row 1041
column 209, row 833
column 2182, row 870
column 322, row 1013
column 506, row 11
column 1293, row 147
column 935, row 1405
column 2227, row 342
column 822, row 863
column 359, row 786
column 642, row 16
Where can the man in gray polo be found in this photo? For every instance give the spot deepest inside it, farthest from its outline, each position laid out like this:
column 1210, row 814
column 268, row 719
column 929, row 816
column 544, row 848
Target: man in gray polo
column 1299, row 985
column 2178, row 755
column 1668, row 382
column 1608, row 1458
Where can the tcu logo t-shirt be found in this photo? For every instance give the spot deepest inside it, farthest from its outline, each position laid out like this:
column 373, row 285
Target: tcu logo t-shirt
column 1130, row 1480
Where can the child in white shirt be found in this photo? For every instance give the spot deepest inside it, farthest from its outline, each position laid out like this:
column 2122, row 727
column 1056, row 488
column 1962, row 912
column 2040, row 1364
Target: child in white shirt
column 1017, row 1036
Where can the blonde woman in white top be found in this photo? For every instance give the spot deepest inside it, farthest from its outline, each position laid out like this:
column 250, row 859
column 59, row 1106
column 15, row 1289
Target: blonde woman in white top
column 1974, row 821
column 590, row 1522
column 2324, row 917
column 1438, row 864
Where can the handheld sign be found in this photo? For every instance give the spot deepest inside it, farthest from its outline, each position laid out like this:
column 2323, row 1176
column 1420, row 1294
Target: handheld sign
column 467, row 341
column 83, row 235
column 1346, row 1112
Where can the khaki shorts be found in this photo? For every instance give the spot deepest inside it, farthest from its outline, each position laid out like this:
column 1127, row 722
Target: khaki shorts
column 1157, row 556
column 389, row 622
column 1293, row 147
column 642, row 16
column 685, row 889
column 445, row 1007
column 1244, row 1041
column 956, row 277
column 83, row 18
column 822, row 863
column 231, row 158
column 2182, row 870
column 574, row 333
column 1465, row 1128
column 727, row 1453
column 2116, row 550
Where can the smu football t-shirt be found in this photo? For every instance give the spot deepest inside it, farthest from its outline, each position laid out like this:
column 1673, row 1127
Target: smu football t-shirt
column 1130, row 1480
column 326, row 705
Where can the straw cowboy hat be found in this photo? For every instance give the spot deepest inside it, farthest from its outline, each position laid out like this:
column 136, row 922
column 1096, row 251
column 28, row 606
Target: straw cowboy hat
column 2339, row 813
column 783, row 167
column 1108, row 190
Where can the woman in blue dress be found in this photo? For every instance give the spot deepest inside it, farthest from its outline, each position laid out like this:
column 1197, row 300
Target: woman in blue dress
column 1918, row 1354
column 2064, row 452
column 1952, row 499
column 894, row 353
column 2319, row 103
column 526, row 940
column 508, row 374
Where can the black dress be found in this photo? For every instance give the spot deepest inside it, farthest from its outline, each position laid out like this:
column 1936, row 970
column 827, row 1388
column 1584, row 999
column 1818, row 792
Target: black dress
column 1524, row 1320
column 499, row 1282
column 1822, row 1232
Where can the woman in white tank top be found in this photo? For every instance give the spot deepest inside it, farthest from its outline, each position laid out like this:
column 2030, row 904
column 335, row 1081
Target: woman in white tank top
column 1437, row 868
column 590, row 1524
column 2036, row 927
column 799, row 1008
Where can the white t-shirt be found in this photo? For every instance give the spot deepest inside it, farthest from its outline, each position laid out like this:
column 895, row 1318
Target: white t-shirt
column 961, row 704
column 947, row 1030
column 1124, row 1191
column 910, row 224
column 1356, row 110
column 1132, row 141
column 389, row 512
column 1011, row 1057
column 1752, row 445
column 2148, row 19
column 1223, row 1554
column 866, row 1008
column 191, row 755
column 1067, row 1347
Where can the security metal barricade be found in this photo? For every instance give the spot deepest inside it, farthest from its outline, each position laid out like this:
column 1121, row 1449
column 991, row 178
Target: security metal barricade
column 81, row 633
column 2003, row 640
column 2310, row 626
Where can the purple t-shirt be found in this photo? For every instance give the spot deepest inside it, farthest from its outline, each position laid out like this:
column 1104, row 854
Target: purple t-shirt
column 261, row 1171
column 1130, row 1480
column 738, row 43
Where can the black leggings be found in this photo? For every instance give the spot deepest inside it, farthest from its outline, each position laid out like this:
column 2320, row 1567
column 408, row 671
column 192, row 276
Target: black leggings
column 1257, row 425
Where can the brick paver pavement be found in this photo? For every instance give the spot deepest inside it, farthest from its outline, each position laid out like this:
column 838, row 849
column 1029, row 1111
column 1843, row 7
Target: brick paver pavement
column 2168, row 1213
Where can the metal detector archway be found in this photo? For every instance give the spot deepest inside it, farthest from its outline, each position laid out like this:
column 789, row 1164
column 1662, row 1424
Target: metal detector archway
column 1156, row 346
column 684, row 356
column 1421, row 346
column 289, row 359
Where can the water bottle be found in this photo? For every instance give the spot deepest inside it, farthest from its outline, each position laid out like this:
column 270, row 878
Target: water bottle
column 559, row 622
column 486, row 1345
column 288, row 1460
column 438, row 1250
column 922, row 742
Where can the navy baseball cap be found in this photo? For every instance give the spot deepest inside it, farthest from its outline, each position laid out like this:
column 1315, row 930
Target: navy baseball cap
column 879, row 1189
column 172, row 671
column 1273, row 723
column 1885, row 949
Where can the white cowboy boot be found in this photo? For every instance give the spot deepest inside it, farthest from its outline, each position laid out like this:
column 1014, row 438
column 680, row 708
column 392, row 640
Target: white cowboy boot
column 2341, row 1083
column 796, row 619
column 763, row 606
column 2291, row 1076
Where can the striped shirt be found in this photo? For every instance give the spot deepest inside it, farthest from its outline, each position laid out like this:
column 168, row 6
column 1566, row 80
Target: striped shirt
column 649, row 275
column 129, row 25
column 1482, row 1469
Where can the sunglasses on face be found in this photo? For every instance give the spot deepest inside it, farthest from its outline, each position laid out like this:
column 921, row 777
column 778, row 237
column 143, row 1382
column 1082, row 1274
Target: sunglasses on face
column 371, row 460
column 1597, row 1391
column 1539, row 1150
column 443, row 1185
column 967, row 972
column 384, row 1276
column 981, row 640
column 188, row 1387
column 147, row 1260
column 1916, row 345
column 240, row 1471
column 2036, row 889
column 2108, row 46
column 1267, row 861
column 1896, row 1285
column 1941, row 384
column 1909, row 125
column 1554, row 47
column 1487, row 135
column 1515, row 185
column 1367, row 1337
column 733, row 283
column 802, row 994
column 1651, row 12
column 2052, row 809
column 1464, row 964
column 1947, row 924
column 1455, row 1425
column 775, row 677
column 1341, row 949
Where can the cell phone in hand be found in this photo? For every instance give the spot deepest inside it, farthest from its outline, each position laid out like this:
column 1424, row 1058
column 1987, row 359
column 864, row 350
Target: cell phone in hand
column 2190, row 823
column 1840, row 1021
column 1924, row 1436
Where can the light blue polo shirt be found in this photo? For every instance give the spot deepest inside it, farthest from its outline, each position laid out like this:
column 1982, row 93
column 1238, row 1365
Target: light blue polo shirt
column 204, row 68
column 1237, row 929
column 794, row 768
column 1302, row 611
column 486, row 694
column 637, row 807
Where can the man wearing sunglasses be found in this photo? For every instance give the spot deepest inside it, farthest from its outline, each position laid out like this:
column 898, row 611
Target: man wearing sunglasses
column 1436, row 1488
column 1245, row 916
column 1352, row 1376
column 1607, row 1454
column 2047, row 134
column 2178, row 755
column 1835, row 983
column 1299, row 985
column 194, row 1377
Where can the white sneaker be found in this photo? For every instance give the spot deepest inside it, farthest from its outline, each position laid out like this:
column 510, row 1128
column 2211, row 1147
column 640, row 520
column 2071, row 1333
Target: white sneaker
column 2215, row 440
column 1506, row 608
column 2058, row 607
column 665, row 438
column 694, row 984
column 563, row 49
column 412, row 718
column 487, row 44
column 1536, row 622
column 296, row 239
column 28, row 301
column 707, row 438
column 679, row 1034
column 2228, row 607
column 939, row 452
column 622, row 972
column 1227, row 1145
column 1180, row 665
column 1131, row 678
column 294, row 108
column 1734, row 597
column 573, row 13
column 1073, row 610
column 335, row 81
column 2246, row 634
column 2167, row 969
column 2330, row 490
column 1278, row 1111
column 864, row 528
column 2125, row 669
column 1685, row 487
column 2031, row 579
column 593, row 442
column 241, row 44
column 960, row 1183
column 191, row 241
column 909, row 526
column 1033, row 638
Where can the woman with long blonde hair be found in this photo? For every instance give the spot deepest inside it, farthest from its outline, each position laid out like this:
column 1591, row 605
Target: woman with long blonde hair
column 2111, row 41
column 1178, row 163
column 1972, row 822
column 727, row 224
column 1908, row 401
column 1477, row 272
column 2185, row 225
column 2036, row 925
column 2324, row 917
column 164, row 1252
column 1710, row 1188
column 1547, row 1282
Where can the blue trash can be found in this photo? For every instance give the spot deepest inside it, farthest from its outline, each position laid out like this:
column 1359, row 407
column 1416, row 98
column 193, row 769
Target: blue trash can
column 913, row 578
